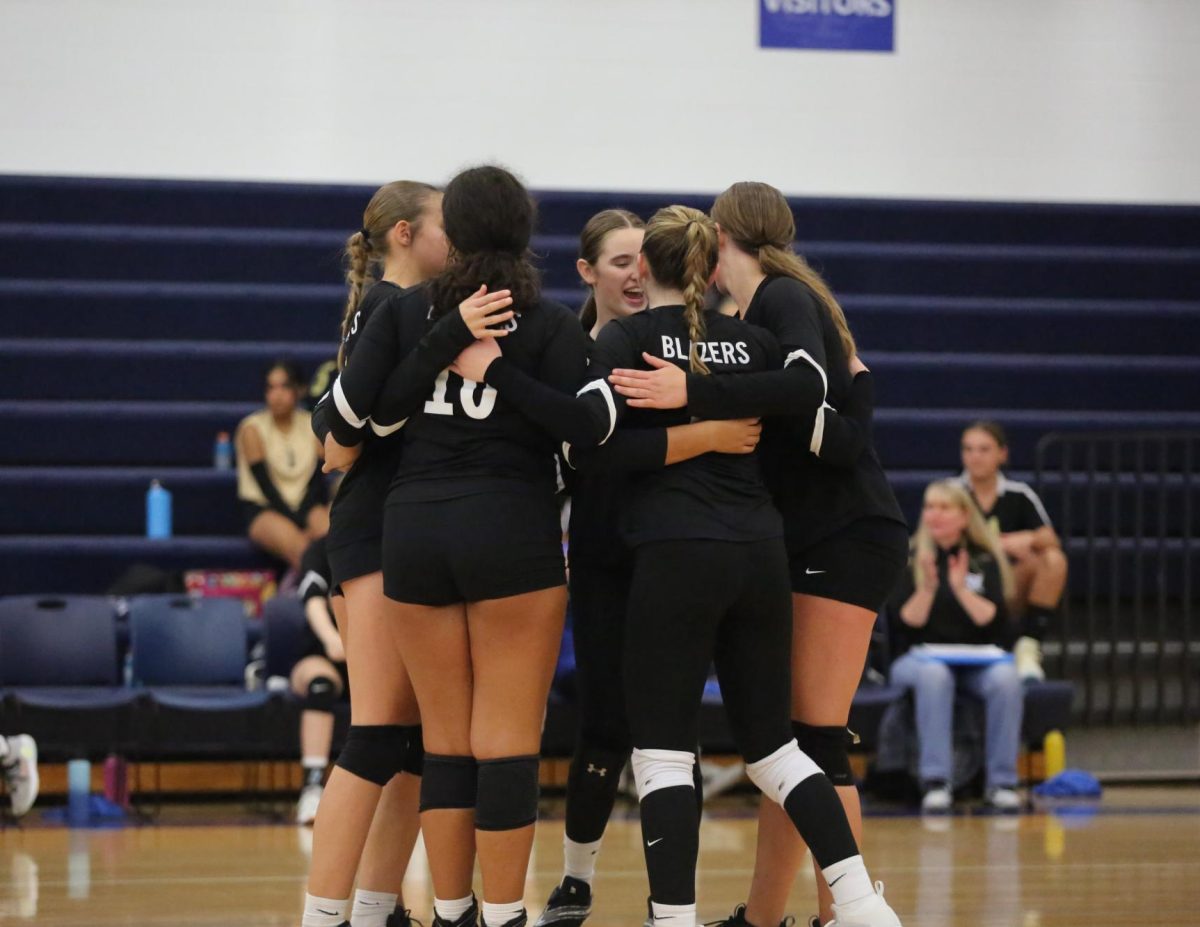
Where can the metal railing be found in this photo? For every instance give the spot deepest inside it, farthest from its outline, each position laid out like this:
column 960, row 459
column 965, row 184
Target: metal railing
column 1124, row 505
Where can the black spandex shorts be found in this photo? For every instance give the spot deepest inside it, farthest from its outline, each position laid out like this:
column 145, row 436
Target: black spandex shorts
column 859, row 564
column 354, row 559
column 485, row 546
column 355, row 540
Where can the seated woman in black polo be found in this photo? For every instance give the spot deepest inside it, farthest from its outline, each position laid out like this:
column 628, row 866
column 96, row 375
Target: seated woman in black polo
column 954, row 594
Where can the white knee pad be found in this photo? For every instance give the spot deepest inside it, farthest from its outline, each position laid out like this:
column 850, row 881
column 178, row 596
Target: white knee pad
column 776, row 775
column 661, row 769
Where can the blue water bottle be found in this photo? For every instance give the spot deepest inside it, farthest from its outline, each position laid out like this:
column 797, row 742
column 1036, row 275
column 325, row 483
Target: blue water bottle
column 223, row 452
column 158, row 511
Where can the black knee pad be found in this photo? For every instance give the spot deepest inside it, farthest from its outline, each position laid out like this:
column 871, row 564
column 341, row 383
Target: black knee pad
column 373, row 752
column 321, row 694
column 828, row 748
column 448, row 782
column 508, row 793
column 414, row 751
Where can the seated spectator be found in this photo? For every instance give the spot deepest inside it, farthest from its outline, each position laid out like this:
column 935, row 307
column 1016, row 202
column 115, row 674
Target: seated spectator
column 319, row 678
column 19, row 769
column 954, row 593
column 1015, row 513
column 280, row 485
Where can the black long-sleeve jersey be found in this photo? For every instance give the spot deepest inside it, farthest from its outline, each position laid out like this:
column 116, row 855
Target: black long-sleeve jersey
column 713, row 496
column 821, row 466
column 460, row 437
column 357, row 512
column 600, row 483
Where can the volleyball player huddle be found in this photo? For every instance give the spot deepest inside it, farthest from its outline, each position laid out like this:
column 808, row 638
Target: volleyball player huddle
column 692, row 543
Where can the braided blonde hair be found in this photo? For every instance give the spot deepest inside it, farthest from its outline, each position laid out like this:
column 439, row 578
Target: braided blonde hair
column 400, row 200
column 681, row 250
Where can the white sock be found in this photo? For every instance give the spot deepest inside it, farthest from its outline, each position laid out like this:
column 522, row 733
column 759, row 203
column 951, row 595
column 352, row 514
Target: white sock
column 4, row 748
column 451, row 911
column 579, row 859
column 674, row 915
column 848, row 880
column 323, row 912
column 497, row 915
column 372, row 909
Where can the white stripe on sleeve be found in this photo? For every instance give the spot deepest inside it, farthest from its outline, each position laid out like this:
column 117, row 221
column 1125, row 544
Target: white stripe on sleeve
column 343, row 406
column 602, row 387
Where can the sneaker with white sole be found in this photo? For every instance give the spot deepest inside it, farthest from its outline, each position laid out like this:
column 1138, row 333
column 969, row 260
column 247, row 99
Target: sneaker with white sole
column 937, row 800
column 569, row 904
column 1027, row 654
column 306, row 808
column 20, row 771
column 871, row 911
column 1004, row 799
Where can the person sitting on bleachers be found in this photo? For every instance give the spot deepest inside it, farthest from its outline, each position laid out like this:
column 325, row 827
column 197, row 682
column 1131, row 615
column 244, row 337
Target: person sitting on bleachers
column 280, row 485
column 954, row 594
column 19, row 769
column 319, row 678
column 1014, row 512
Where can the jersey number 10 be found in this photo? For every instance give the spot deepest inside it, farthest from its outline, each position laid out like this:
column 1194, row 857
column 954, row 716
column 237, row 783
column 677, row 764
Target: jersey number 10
column 438, row 404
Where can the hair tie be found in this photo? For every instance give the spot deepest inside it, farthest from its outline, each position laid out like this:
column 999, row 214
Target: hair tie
column 365, row 233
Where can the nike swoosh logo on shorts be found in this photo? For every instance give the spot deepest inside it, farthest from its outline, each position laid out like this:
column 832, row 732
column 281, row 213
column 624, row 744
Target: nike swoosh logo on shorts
column 811, row 572
column 651, row 843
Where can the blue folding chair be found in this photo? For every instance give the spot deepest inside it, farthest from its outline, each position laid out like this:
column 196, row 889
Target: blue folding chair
column 59, row 670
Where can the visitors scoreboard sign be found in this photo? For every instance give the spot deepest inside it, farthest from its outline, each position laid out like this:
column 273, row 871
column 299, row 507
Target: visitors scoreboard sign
column 840, row 25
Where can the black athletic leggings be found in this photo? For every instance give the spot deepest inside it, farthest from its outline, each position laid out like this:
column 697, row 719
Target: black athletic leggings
column 599, row 595
column 696, row 602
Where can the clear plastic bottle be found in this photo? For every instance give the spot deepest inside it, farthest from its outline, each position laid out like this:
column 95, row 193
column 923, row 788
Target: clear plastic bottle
column 223, row 452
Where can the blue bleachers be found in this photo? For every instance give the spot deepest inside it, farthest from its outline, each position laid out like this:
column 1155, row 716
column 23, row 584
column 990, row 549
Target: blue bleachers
column 136, row 318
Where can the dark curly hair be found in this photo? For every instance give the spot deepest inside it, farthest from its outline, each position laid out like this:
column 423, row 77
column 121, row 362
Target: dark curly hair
column 489, row 218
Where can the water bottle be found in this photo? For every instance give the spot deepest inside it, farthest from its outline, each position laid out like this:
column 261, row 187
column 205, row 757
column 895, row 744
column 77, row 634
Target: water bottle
column 79, row 791
column 158, row 511
column 223, row 452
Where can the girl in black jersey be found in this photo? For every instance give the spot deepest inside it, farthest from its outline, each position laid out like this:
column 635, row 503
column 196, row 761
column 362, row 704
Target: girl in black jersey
column 602, row 567
column 845, row 534
column 472, row 553
column 710, row 583
column 401, row 241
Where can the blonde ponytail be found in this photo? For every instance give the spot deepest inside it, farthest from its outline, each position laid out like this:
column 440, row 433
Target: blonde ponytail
column 681, row 250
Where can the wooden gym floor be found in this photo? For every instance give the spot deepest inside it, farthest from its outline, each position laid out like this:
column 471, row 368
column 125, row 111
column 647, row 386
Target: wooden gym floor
column 1132, row 860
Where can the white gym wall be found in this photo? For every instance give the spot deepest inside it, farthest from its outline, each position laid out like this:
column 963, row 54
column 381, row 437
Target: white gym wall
column 1077, row 100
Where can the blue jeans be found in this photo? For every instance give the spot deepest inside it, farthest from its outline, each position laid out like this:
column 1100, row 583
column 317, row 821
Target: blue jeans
column 933, row 685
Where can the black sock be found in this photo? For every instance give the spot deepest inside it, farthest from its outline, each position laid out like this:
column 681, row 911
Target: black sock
column 817, row 812
column 671, row 841
column 592, row 784
column 1037, row 620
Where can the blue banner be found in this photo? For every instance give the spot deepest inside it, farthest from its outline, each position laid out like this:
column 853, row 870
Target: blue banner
column 841, row 25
